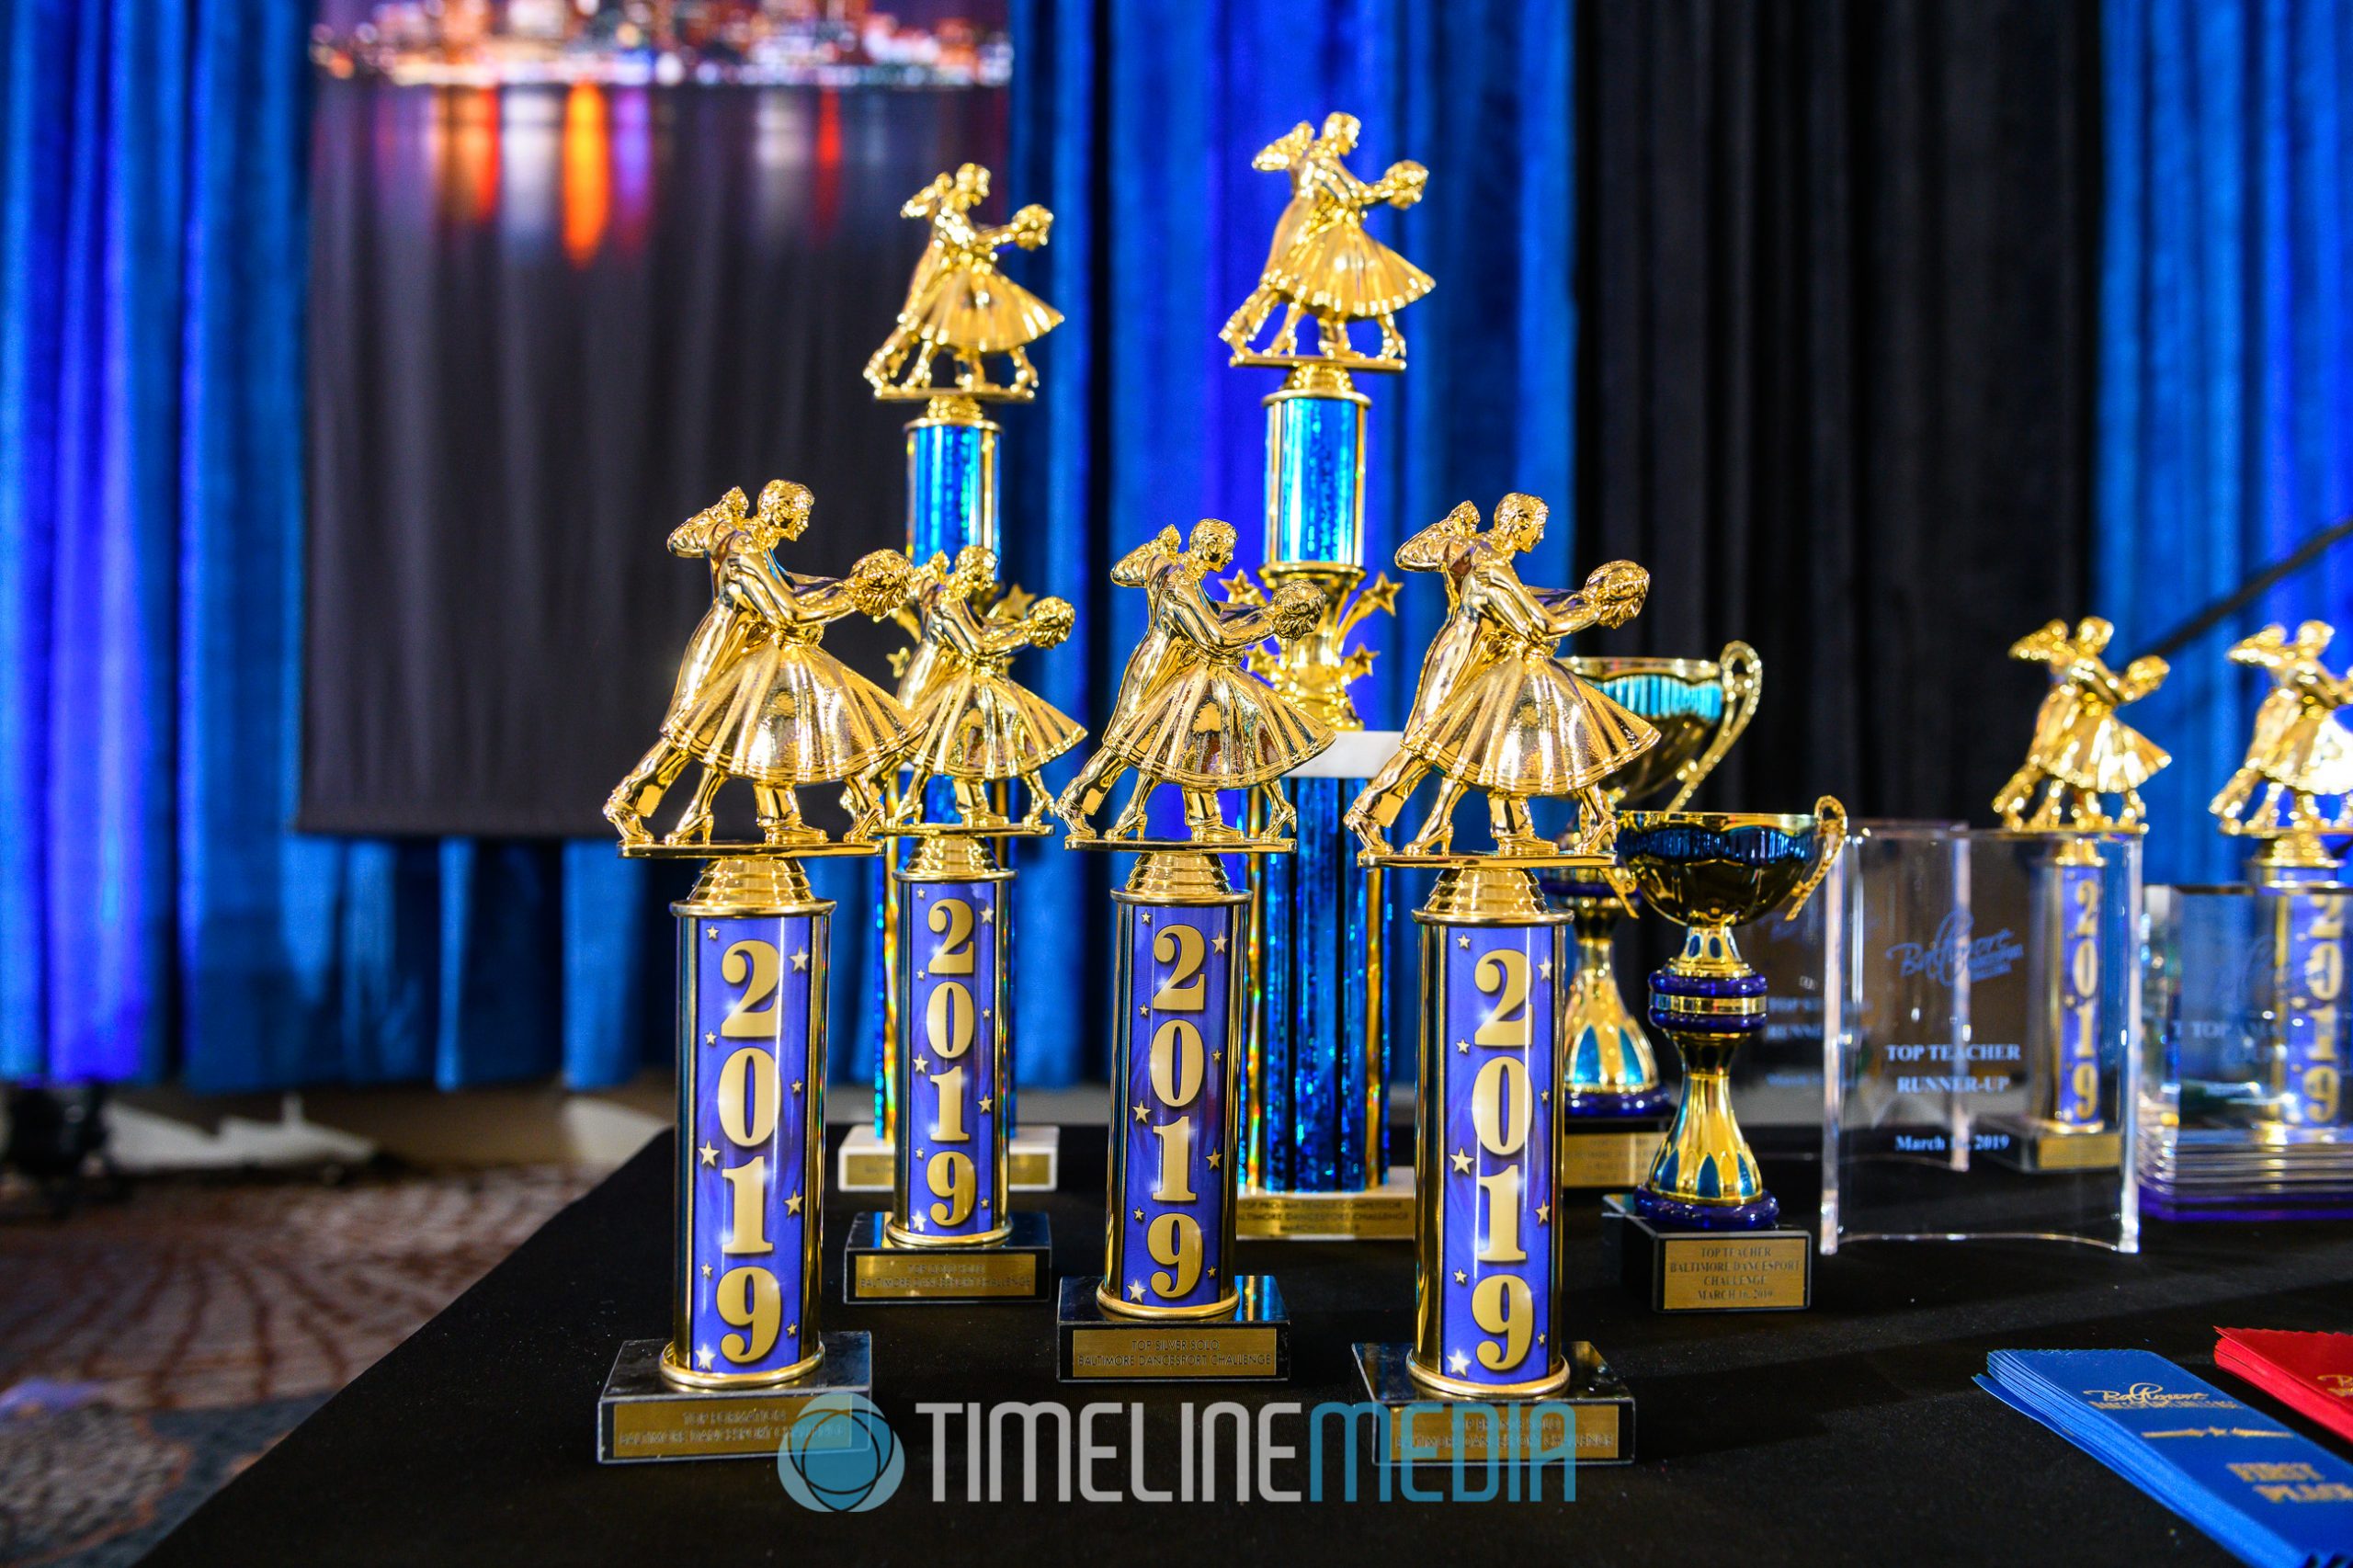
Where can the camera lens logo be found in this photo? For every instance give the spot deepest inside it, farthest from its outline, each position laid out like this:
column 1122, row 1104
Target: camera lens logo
column 840, row 1457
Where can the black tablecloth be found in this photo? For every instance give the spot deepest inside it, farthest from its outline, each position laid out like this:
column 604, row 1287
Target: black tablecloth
column 1846, row 1434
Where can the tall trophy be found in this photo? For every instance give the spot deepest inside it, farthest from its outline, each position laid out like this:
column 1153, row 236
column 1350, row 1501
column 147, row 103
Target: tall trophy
column 952, row 1233
column 1702, row 1233
column 1316, row 1080
column 2298, row 755
column 2081, row 754
column 1497, row 710
column 756, row 699
column 1169, row 1303
column 1614, row 1112
column 960, row 306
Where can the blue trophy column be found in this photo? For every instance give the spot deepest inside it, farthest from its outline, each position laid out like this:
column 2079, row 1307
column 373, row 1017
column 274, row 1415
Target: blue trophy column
column 1486, row 1249
column 751, row 1150
column 951, row 1164
column 1318, row 1065
column 1170, row 1240
column 1315, row 476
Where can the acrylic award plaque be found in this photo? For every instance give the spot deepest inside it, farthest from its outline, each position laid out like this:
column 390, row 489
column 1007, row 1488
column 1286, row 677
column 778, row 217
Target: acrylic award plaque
column 2244, row 1114
column 1980, row 1055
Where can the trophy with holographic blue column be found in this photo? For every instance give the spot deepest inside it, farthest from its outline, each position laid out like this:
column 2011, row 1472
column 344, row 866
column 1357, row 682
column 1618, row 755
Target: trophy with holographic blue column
column 757, row 700
column 957, row 304
column 1316, row 1080
column 1170, row 1303
column 1497, row 710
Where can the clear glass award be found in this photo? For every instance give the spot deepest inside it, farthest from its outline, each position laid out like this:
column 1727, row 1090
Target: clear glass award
column 2244, row 1114
column 1982, row 1036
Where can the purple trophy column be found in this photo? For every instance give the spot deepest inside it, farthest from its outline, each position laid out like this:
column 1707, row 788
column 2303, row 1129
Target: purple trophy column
column 751, row 1123
column 1487, row 1157
column 951, row 1160
column 1170, row 1241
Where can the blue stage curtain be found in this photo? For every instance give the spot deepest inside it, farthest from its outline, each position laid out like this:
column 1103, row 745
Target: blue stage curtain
column 1136, row 123
column 2226, row 402
column 155, row 911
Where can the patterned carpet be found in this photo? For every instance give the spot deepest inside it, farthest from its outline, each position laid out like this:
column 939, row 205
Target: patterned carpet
column 153, row 1347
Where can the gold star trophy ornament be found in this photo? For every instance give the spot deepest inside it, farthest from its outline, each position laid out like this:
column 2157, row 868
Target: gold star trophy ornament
column 1187, row 713
column 1497, row 710
column 756, row 699
column 952, row 1233
column 961, row 305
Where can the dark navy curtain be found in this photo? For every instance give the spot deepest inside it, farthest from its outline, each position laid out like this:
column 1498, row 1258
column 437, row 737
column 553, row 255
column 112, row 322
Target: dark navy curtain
column 155, row 911
column 2226, row 402
column 1136, row 123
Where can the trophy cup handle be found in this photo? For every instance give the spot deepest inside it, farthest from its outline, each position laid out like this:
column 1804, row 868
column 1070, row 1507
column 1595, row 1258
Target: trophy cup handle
column 1830, row 838
column 1742, row 674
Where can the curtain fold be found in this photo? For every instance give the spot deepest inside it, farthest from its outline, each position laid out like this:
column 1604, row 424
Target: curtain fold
column 157, row 911
column 1840, row 263
column 2226, row 361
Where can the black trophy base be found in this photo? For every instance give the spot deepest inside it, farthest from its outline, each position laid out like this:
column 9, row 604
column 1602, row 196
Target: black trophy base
column 1609, row 1154
column 641, row 1416
column 2028, row 1144
column 1768, row 1271
column 1425, row 1426
column 1093, row 1344
column 876, row 1270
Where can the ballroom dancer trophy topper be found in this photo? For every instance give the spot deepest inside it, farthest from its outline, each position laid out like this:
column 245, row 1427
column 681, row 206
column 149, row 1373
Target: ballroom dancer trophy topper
column 756, row 699
column 951, row 1234
column 1188, row 714
column 1322, row 262
column 1497, row 710
column 2082, row 752
column 959, row 302
column 2300, row 752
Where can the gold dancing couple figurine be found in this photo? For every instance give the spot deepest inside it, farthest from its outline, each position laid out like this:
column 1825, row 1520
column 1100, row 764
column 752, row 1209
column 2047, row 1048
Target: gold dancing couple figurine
column 2082, row 752
column 971, row 723
column 757, row 698
column 1496, row 710
column 2299, row 751
column 1322, row 262
column 959, row 302
column 1186, row 712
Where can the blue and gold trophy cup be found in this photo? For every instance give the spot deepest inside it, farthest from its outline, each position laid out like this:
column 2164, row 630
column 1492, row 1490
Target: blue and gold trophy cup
column 1170, row 1303
column 1498, row 711
column 952, row 1233
column 2081, row 754
column 1614, row 1112
column 1702, row 1233
column 957, row 304
column 756, row 699
column 1315, row 1081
